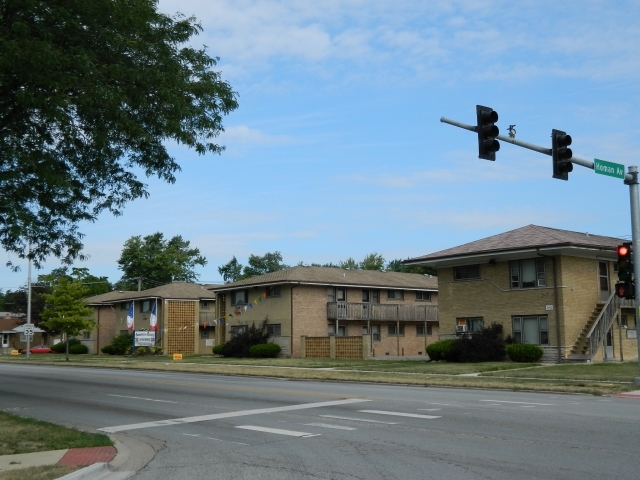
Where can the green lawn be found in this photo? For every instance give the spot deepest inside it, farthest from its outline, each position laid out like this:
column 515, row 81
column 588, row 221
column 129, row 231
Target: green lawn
column 607, row 372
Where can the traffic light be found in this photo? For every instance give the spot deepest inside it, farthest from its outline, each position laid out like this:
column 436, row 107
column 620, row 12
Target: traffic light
column 625, row 288
column 487, row 132
column 561, row 154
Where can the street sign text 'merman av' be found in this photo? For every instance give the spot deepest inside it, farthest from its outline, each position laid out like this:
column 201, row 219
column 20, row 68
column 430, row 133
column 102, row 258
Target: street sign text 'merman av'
column 608, row 168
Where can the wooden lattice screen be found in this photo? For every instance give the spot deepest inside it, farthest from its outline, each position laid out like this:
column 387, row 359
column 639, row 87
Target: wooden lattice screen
column 181, row 320
column 317, row 347
column 348, row 347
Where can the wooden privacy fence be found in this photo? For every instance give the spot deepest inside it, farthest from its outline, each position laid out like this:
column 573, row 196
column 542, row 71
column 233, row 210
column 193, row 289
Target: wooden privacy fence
column 336, row 347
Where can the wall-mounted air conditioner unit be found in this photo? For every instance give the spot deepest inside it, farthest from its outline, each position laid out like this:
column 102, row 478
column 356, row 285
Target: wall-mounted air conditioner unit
column 461, row 328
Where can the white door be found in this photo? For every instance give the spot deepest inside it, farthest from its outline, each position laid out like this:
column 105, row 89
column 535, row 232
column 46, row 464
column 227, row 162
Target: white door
column 609, row 346
column 603, row 277
column 5, row 340
column 530, row 330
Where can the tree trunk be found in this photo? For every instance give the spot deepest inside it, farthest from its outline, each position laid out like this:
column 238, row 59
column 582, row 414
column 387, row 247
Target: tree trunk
column 67, row 349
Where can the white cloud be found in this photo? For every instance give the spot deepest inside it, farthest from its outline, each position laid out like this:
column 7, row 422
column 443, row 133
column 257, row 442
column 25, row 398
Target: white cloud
column 243, row 135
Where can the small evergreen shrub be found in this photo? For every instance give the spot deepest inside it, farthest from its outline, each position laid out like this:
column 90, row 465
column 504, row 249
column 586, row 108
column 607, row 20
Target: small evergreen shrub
column 139, row 351
column 159, row 350
column 108, row 349
column 217, row 350
column 484, row 346
column 524, row 353
column 264, row 350
column 122, row 344
column 61, row 347
column 439, row 350
column 78, row 349
column 240, row 343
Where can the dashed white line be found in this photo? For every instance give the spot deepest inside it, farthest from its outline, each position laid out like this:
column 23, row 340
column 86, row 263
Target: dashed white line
column 278, row 431
column 400, row 414
column 140, row 398
column 328, row 425
column 358, row 419
column 429, row 409
column 211, row 438
column 241, row 413
column 445, row 404
column 525, row 403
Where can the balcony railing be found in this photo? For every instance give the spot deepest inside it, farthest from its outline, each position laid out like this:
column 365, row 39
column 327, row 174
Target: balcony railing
column 378, row 311
column 209, row 317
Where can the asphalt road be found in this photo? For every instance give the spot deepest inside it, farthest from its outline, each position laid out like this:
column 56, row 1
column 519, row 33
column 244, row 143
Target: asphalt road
column 219, row 427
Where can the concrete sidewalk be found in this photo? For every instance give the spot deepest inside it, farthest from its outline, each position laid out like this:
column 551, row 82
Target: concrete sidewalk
column 71, row 457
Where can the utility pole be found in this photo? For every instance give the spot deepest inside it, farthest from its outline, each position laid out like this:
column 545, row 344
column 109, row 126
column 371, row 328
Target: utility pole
column 563, row 160
column 27, row 328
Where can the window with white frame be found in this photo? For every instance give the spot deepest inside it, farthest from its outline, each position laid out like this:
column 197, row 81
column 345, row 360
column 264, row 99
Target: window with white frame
column 274, row 329
column 392, row 330
column 375, row 333
column 342, row 330
column 273, row 292
column 204, row 333
column 469, row 325
column 239, row 297
column 341, row 294
column 204, row 305
column 423, row 296
column 623, row 321
column 86, row 335
column 533, row 329
column 420, row 330
column 528, row 273
column 145, row 306
column 124, row 306
column 466, row 272
column 395, row 295
column 238, row 329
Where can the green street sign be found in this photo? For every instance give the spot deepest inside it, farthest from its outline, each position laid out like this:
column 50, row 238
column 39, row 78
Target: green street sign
column 608, row 168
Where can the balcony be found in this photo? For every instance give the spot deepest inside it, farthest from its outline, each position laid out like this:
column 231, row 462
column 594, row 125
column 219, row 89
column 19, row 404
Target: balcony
column 208, row 317
column 378, row 311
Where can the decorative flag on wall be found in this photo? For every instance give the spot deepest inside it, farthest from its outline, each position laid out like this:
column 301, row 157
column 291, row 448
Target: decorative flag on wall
column 130, row 317
column 153, row 319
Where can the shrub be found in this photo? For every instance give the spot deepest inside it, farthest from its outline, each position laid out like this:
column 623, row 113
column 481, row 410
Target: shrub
column 108, row 349
column 264, row 350
column 78, row 349
column 139, row 351
column 159, row 350
column 152, row 350
column 122, row 344
column 524, row 353
column 61, row 347
column 484, row 346
column 240, row 343
column 217, row 350
column 439, row 350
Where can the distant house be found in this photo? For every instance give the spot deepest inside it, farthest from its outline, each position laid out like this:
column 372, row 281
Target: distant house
column 12, row 333
column 399, row 311
column 185, row 317
column 548, row 287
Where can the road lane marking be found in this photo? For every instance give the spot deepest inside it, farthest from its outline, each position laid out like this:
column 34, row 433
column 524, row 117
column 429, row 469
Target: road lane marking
column 328, row 425
column 211, row 438
column 400, row 414
column 358, row 419
column 445, row 404
column 429, row 409
column 278, row 431
column 527, row 406
column 241, row 413
column 140, row 398
column 525, row 403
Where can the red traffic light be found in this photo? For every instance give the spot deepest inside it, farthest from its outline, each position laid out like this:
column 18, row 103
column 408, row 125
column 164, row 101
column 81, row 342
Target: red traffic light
column 623, row 250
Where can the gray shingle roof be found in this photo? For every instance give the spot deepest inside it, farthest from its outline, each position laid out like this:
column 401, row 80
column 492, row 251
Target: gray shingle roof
column 339, row 276
column 176, row 290
column 531, row 236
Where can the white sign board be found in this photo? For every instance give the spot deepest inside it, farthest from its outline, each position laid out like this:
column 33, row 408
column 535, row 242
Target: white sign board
column 632, row 333
column 549, row 307
column 145, row 339
column 28, row 329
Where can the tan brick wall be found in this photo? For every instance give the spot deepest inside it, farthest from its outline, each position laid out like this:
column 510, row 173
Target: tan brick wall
column 105, row 318
column 309, row 313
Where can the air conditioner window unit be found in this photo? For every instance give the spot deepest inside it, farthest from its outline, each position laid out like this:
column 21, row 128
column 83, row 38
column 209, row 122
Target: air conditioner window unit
column 461, row 328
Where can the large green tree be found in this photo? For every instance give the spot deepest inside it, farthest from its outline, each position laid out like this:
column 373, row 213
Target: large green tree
column 65, row 310
column 257, row 265
column 90, row 93
column 93, row 285
column 158, row 260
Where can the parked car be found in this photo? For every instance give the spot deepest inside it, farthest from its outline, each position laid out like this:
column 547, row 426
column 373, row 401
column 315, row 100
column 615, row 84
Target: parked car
column 38, row 349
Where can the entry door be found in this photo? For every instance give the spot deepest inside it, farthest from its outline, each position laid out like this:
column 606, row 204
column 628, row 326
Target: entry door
column 530, row 330
column 5, row 340
column 603, row 277
column 609, row 345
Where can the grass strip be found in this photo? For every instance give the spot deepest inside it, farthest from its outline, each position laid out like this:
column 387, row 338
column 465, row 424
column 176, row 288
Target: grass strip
column 49, row 472
column 25, row 435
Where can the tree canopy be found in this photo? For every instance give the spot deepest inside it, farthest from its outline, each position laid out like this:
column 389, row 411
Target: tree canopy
column 158, row 260
column 90, row 91
column 258, row 265
column 92, row 284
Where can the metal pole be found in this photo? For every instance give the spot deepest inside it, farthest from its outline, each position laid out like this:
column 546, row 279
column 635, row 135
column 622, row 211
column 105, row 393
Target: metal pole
column 29, row 303
column 635, row 236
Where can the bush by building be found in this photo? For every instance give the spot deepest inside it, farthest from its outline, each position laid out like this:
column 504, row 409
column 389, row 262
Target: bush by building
column 484, row 346
column 120, row 345
column 264, row 350
column 439, row 350
column 240, row 344
column 78, row 349
column 61, row 347
column 524, row 353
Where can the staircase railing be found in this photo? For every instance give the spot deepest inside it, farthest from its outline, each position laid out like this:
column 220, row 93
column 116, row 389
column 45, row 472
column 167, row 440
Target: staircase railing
column 603, row 323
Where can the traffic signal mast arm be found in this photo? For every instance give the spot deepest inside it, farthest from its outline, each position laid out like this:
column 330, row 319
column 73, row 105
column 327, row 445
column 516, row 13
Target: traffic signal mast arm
column 536, row 148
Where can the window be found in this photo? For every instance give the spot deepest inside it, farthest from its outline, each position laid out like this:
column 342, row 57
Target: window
column 528, row 273
column 145, row 306
column 423, row 296
column 342, row 330
column 86, row 335
column 375, row 333
column 392, row 330
column 204, row 333
column 331, row 294
column 366, row 296
column 420, row 330
column 275, row 330
column 365, row 330
column 239, row 297
column 124, row 306
column 238, row 329
column 471, row 324
column 395, row 294
column 341, row 294
column 204, row 305
column 467, row 272
column 623, row 320
column 531, row 329
column 273, row 292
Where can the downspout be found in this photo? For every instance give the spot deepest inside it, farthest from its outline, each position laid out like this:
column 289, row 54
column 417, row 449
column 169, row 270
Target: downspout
column 291, row 315
column 555, row 301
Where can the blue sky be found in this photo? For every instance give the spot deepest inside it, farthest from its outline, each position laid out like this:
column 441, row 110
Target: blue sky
column 337, row 149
